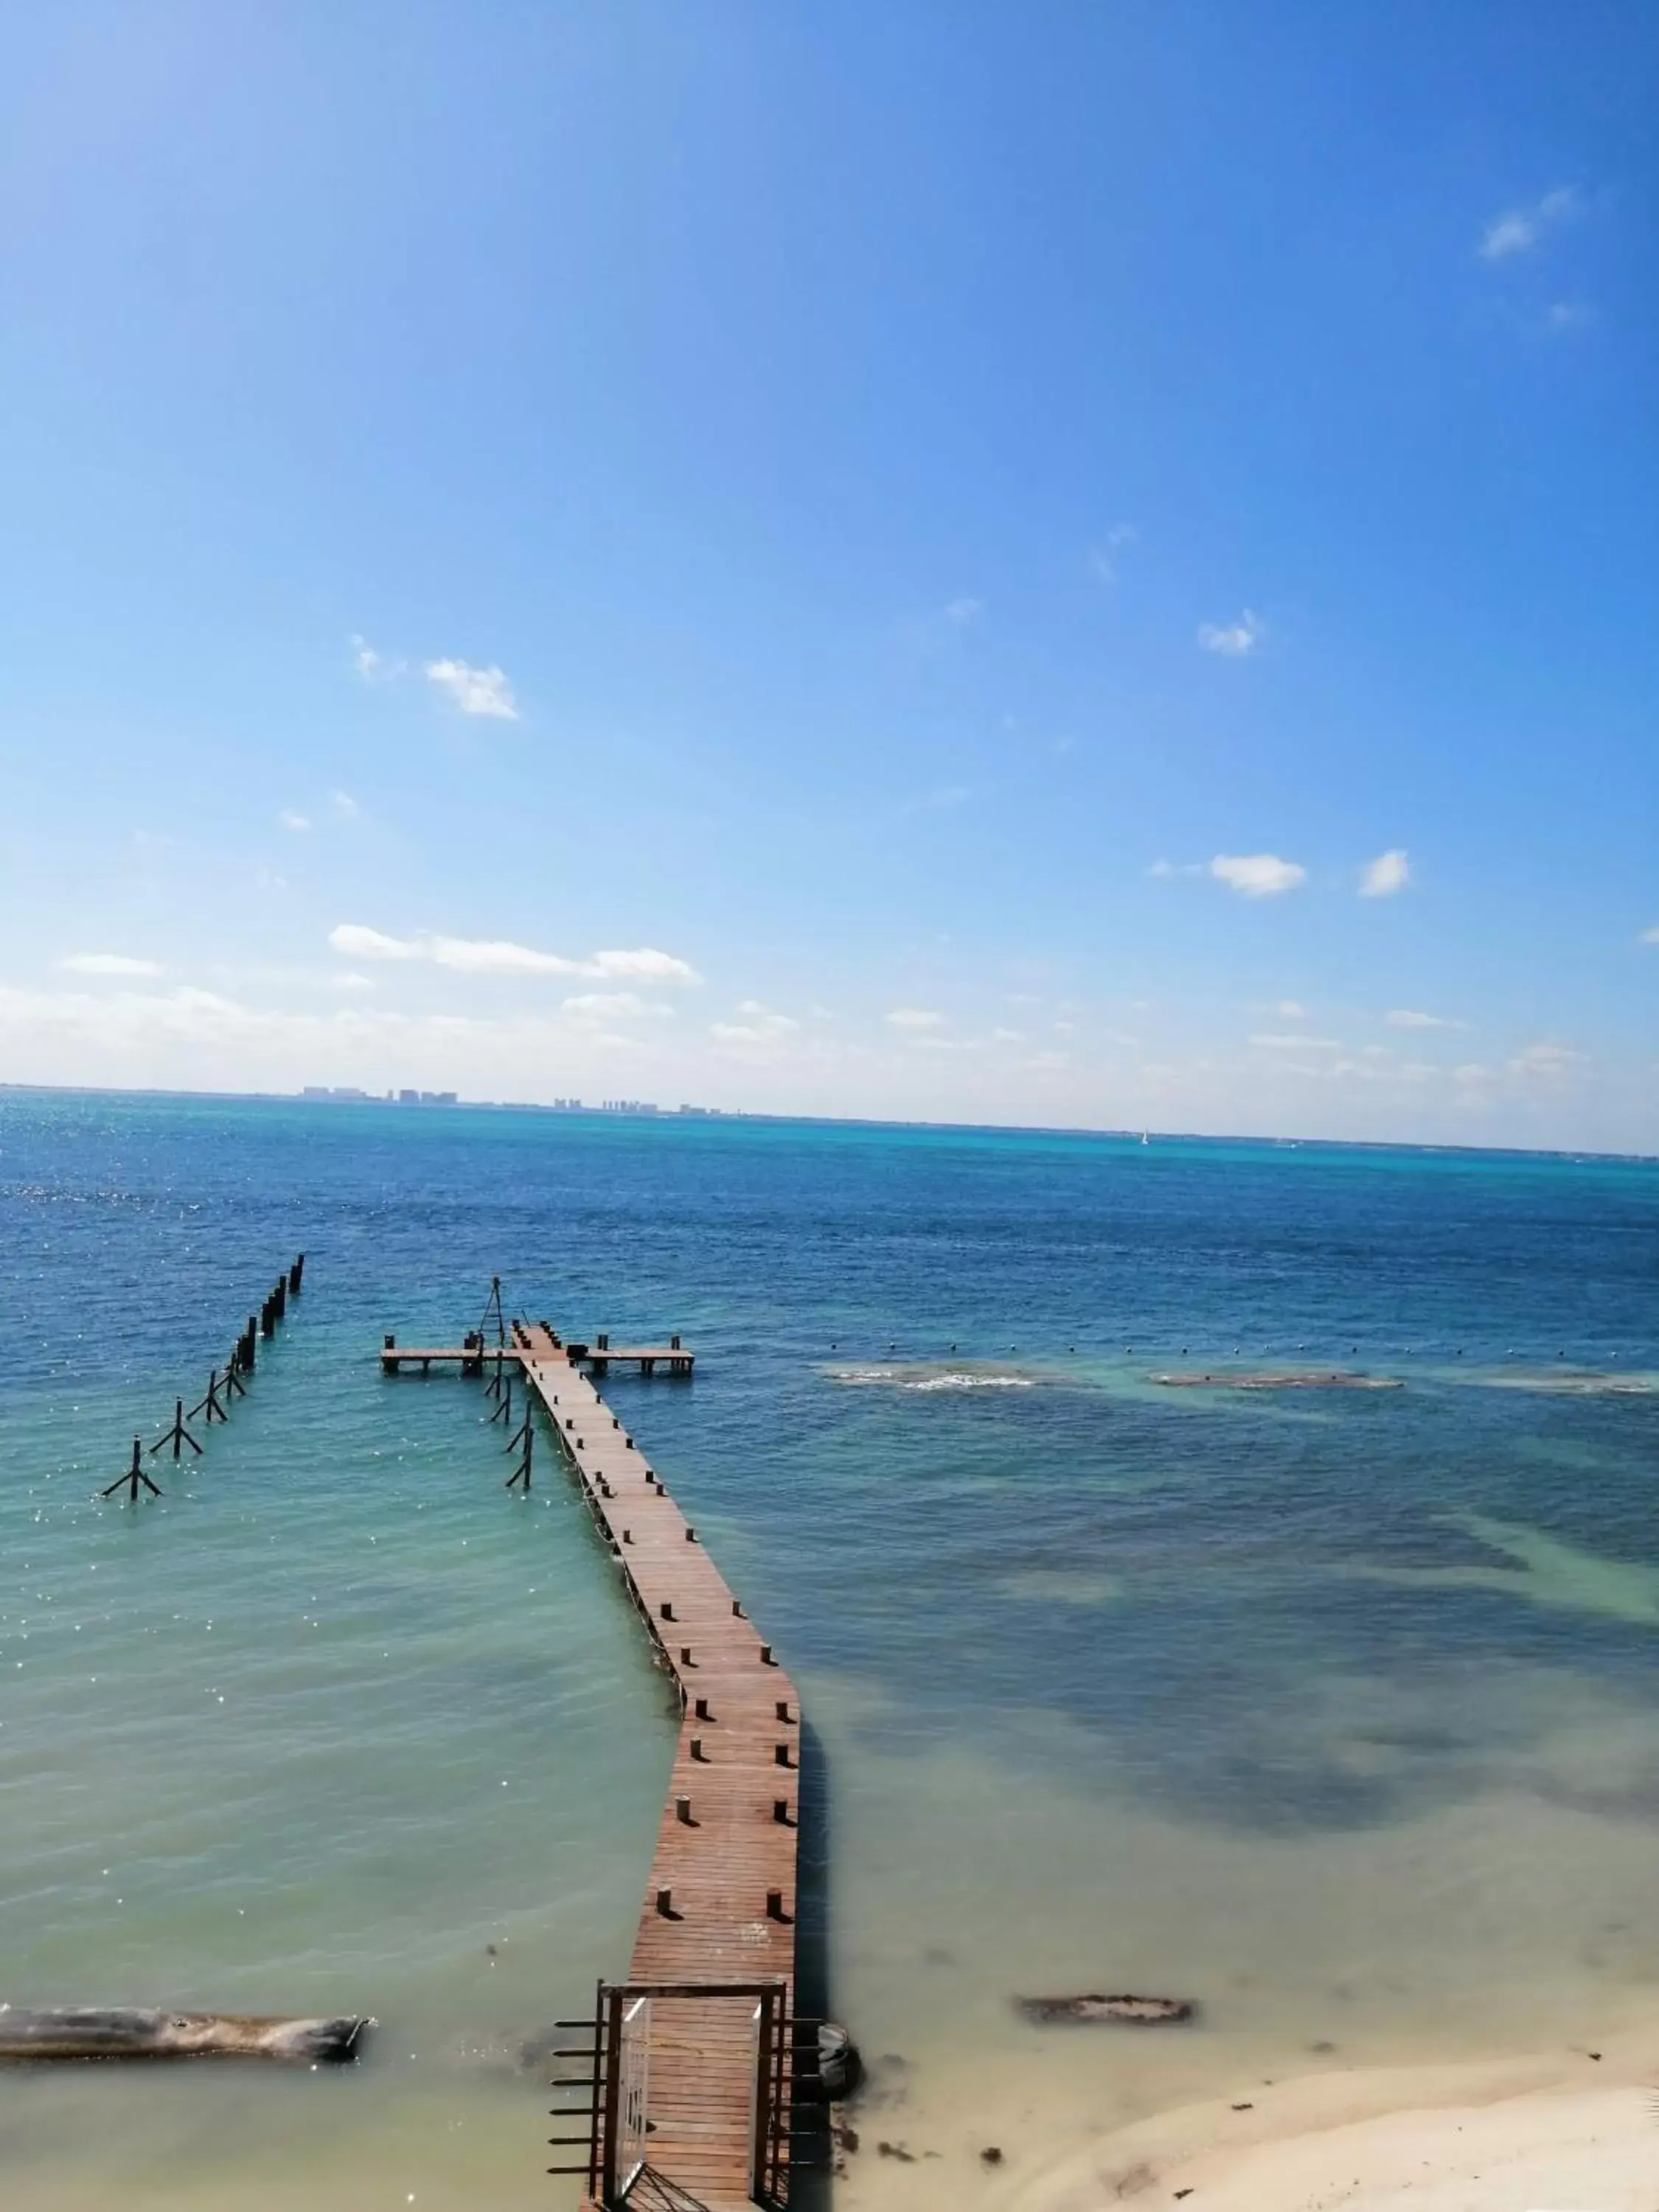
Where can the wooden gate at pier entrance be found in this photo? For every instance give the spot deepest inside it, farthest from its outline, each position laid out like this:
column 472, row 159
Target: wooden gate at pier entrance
column 713, row 2134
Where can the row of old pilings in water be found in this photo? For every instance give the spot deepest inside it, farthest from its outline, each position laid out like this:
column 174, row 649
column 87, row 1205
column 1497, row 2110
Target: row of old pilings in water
column 225, row 1385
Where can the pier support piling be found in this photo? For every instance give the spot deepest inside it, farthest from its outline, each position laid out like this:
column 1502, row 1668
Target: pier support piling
column 134, row 1475
column 176, row 1435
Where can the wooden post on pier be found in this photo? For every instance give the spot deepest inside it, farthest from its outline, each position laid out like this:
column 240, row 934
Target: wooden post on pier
column 521, row 1472
column 210, row 1405
column 176, row 1435
column 504, row 1410
column 134, row 1475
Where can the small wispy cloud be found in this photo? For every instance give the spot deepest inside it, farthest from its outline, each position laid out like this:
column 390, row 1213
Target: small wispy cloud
column 344, row 806
column 914, row 1019
column 474, row 690
column 1258, row 875
column 349, row 980
column 1288, row 1010
column 291, row 818
column 1569, row 315
column 1271, row 1042
column 1519, row 229
column 1549, row 1062
column 1388, row 873
column 108, row 963
column 613, row 1006
column 761, row 1025
column 1411, row 1017
column 1649, row 936
column 471, row 955
column 959, row 613
column 369, row 664
column 1102, row 558
column 1233, row 641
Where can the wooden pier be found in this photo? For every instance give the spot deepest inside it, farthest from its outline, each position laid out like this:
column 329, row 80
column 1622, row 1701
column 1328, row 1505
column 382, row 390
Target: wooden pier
column 690, row 2066
column 597, row 1357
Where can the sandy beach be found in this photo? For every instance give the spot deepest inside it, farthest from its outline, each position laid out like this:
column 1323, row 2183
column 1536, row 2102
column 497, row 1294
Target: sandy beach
column 1570, row 2132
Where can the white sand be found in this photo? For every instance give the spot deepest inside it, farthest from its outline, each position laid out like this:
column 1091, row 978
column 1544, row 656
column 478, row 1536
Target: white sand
column 1562, row 2134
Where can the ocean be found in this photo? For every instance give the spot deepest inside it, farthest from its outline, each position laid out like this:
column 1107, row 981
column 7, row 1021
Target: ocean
column 1330, row 1710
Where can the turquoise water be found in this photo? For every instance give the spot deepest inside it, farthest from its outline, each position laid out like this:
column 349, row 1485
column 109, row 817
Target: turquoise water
column 1334, row 1710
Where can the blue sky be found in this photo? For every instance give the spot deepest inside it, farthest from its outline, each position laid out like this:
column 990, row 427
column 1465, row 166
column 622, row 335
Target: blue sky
column 1090, row 563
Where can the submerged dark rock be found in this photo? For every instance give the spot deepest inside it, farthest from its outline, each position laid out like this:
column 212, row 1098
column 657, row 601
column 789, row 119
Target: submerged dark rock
column 1123, row 2010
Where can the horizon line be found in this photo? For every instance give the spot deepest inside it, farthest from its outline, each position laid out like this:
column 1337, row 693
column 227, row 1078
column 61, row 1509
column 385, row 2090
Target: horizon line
column 643, row 1111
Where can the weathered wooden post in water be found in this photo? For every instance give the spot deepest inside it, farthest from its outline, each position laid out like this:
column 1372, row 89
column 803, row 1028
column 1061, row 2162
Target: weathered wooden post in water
column 297, row 1275
column 521, row 1472
column 210, row 1405
column 176, row 1435
column 131, row 1480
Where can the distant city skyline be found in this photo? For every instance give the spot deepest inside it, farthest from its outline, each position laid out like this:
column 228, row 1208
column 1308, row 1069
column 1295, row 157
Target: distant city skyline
column 1095, row 574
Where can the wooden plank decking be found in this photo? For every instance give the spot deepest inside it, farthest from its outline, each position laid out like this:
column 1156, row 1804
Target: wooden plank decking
column 674, row 1356
column 720, row 1902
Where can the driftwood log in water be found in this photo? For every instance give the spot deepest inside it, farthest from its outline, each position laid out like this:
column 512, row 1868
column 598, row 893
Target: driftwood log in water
column 137, row 2032
column 1128, row 2011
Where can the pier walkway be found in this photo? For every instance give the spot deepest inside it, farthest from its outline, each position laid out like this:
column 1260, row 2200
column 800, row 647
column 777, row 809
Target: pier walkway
column 689, row 2068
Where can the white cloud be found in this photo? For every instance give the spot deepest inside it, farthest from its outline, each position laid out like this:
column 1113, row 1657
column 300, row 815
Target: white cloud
column 475, row 690
column 1549, row 1062
column 1649, row 936
column 1519, row 229
column 1570, row 314
column 364, row 658
column 109, row 963
column 761, row 1026
column 1257, row 875
column 914, row 1017
column 613, row 1006
column 1297, row 1043
column 498, row 956
column 1388, row 873
column 1408, row 1018
column 1288, row 1010
column 645, row 963
column 345, row 807
column 291, row 819
column 1233, row 641
column 350, row 981
column 960, row 612
column 472, row 955
column 357, row 943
